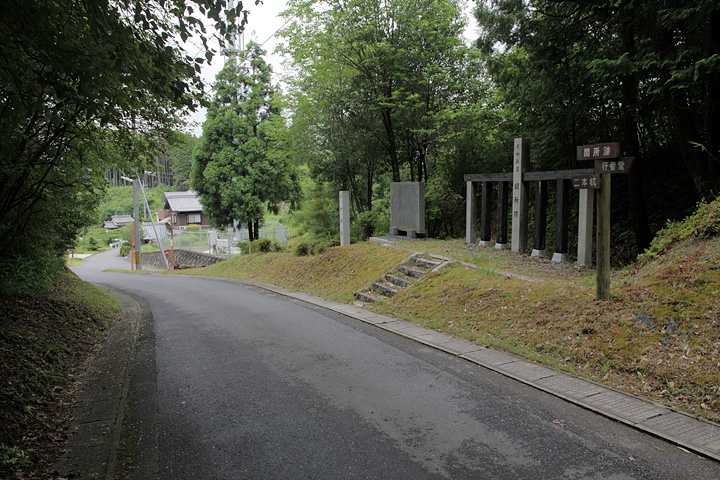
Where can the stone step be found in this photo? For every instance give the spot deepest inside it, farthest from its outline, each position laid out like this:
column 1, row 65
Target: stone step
column 427, row 263
column 384, row 288
column 412, row 272
column 399, row 281
column 368, row 297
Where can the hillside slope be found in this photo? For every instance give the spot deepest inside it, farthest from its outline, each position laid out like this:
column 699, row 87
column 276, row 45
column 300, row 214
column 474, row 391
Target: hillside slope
column 46, row 342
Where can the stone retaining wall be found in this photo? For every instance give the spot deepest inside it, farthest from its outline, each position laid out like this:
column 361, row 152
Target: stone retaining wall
column 182, row 259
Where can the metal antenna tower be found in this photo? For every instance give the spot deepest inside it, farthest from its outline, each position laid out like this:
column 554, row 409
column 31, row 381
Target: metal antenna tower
column 238, row 40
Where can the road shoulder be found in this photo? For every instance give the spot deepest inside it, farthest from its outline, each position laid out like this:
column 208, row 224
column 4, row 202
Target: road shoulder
column 96, row 428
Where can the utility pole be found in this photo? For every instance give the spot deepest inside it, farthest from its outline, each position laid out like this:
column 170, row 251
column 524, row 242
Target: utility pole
column 137, row 237
column 152, row 222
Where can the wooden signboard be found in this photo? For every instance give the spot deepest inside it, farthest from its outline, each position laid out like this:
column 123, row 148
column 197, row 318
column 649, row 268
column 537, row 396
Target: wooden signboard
column 607, row 163
column 599, row 151
column 582, row 182
column 621, row 165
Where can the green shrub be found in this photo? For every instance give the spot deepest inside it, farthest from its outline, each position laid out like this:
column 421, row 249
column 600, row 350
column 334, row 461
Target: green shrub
column 314, row 246
column 303, row 248
column 263, row 245
column 245, row 247
column 704, row 223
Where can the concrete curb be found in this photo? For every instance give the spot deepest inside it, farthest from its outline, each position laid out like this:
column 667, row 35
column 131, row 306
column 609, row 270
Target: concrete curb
column 697, row 435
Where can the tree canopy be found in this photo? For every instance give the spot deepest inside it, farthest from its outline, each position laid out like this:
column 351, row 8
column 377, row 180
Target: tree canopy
column 233, row 171
column 386, row 90
column 75, row 77
column 375, row 85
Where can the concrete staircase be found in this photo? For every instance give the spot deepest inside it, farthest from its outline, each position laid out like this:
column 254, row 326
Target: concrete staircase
column 400, row 277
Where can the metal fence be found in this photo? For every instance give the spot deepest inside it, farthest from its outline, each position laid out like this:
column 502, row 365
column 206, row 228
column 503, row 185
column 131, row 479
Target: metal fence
column 225, row 243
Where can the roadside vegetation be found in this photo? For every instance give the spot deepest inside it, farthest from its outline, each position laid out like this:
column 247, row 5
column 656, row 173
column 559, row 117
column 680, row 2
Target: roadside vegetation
column 46, row 340
column 658, row 337
column 376, row 92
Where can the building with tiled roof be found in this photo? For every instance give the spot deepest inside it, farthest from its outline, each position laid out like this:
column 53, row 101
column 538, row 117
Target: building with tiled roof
column 184, row 208
column 117, row 221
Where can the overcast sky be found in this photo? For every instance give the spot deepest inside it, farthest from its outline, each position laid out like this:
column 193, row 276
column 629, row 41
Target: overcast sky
column 264, row 21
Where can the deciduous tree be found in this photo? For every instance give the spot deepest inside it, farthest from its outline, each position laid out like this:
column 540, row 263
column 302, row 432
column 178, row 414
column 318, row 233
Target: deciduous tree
column 372, row 79
column 73, row 75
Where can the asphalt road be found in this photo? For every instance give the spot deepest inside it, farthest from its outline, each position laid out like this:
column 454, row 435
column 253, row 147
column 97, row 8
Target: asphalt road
column 235, row 382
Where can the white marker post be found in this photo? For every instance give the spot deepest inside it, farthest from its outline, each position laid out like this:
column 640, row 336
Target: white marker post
column 344, row 217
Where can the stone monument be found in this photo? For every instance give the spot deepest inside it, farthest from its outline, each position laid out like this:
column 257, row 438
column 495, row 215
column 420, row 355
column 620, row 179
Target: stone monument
column 407, row 208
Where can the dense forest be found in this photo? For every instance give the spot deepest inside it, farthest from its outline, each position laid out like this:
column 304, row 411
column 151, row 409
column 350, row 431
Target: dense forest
column 375, row 91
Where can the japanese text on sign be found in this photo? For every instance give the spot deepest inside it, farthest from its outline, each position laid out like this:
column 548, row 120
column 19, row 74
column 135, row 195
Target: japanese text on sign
column 586, row 182
column 599, row 151
column 622, row 165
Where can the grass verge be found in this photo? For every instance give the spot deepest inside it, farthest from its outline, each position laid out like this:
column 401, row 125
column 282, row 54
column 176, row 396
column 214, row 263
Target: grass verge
column 337, row 274
column 45, row 342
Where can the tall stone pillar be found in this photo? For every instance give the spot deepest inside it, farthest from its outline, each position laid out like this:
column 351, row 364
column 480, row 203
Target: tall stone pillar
column 520, row 194
column 344, row 217
column 471, row 214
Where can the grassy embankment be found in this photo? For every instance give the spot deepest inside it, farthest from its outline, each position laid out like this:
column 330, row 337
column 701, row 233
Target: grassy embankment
column 45, row 342
column 658, row 337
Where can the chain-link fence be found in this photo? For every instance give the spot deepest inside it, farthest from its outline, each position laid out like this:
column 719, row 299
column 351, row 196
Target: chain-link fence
column 225, row 243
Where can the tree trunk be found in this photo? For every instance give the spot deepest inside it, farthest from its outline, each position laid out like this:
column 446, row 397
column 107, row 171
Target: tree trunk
column 684, row 125
column 631, row 142
column 685, row 131
column 392, row 144
column 713, row 122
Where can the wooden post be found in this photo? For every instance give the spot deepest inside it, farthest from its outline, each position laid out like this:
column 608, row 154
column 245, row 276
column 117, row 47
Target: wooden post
column 603, row 238
column 502, row 235
column 486, row 215
column 541, row 195
column 471, row 214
